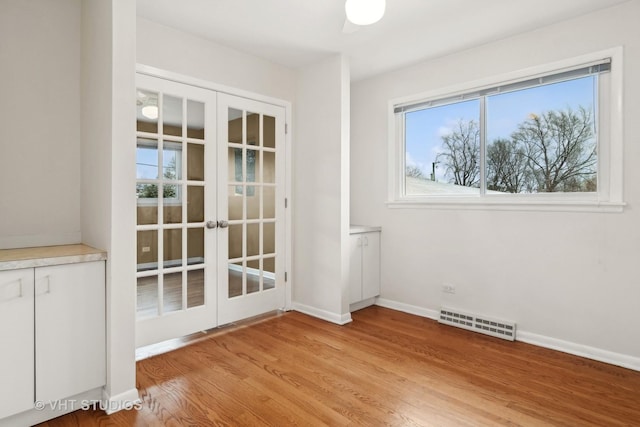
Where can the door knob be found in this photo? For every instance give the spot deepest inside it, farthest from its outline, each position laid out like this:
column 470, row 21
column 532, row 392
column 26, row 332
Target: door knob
column 212, row 224
column 223, row 224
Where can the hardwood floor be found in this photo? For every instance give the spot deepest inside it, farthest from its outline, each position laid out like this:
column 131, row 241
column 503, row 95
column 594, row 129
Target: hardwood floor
column 385, row 368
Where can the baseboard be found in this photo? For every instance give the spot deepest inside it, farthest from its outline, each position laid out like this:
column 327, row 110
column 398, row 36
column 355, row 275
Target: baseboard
column 618, row 359
column 47, row 410
column 362, row 304
column 127, row 400
column 338, row 319
column 408, row 308
column 581, row 350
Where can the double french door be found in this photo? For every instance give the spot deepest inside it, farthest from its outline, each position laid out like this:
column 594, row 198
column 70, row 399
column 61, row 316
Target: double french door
column 210, row 188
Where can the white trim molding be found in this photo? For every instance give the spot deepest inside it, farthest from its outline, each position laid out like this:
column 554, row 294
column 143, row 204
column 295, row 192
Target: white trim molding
column 407, row 308
column 338, row 319
column 581, row 350
column 288, row 185
column 47, row 410
column 127, row 401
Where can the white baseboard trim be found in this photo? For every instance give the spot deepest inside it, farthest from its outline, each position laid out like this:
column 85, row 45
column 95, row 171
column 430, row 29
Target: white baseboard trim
column 338, row 319
column 581, row 350
column 618, row 359
column 47, row 410
column 128, row 400
column 408, row 308
column 362, row 304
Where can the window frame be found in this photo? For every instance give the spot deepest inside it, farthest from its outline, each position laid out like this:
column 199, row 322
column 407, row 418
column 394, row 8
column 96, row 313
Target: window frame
column 609, row 196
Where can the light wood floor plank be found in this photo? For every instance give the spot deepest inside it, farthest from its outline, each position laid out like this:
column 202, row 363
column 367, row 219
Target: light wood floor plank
column 384, row 368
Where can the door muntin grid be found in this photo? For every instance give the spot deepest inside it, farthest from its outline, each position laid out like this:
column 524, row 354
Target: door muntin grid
column 170, row 203
column 251, row 203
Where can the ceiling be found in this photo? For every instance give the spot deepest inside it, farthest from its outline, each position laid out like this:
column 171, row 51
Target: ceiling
column 296, row 33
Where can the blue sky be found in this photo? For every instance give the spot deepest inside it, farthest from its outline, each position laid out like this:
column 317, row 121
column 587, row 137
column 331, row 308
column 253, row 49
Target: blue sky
column 425, row 128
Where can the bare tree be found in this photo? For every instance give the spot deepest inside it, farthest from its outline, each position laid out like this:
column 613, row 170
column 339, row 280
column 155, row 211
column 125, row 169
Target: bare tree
column 507, row 167
column 560, row 149
column 414, row 172
column 461, row 155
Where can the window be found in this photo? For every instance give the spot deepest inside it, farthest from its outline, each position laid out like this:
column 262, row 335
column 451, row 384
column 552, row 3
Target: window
column 543, row 138
column 147, row 169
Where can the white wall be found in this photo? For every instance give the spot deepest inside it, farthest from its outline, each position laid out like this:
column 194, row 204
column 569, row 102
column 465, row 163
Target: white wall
column 40, row 131
column 173, row 50
column 321, row 190
column 108, row 174
column 571, row 277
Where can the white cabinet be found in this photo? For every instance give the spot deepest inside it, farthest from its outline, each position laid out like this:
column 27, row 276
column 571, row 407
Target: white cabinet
column 16, row 333
column 69, row 329
column 52, row 329
column 364, row 272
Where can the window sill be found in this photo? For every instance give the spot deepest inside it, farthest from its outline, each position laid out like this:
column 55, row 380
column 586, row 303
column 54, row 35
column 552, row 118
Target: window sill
column 490, row 203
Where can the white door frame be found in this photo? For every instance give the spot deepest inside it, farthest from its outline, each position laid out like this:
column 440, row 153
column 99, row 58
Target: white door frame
column 193, row 81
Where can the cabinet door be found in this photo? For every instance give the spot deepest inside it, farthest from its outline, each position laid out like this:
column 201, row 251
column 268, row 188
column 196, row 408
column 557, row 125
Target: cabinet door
column 16, row 335
column 370, row 265
column 70, row 329
column 355, row 268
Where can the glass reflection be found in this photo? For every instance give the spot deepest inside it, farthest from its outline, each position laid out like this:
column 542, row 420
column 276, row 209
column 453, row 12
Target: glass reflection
column 172, row 115
column 195, row 162
column 195, row 288
column 172, row 246
column 235, row 126
column 195, row 203
column 172, row 292
column 147, row 159
column 235, row 241
column 147, row 244
column 195, row 119
column 253, row 276
column 235, row 202
column 269, row 136
column 236, row 279
column 147, row 111
column 195, row 246
column 147, row 297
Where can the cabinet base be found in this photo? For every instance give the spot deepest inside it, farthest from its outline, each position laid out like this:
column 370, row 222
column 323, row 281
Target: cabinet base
column 44, row 411
column 361, row 304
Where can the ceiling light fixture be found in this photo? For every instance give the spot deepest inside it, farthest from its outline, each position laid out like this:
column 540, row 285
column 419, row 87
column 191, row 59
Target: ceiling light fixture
column 364, row 12
column 150, row 111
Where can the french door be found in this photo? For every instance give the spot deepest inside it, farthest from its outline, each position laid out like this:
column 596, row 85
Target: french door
column 210, row 200
column 251, row 138
column 176, row 197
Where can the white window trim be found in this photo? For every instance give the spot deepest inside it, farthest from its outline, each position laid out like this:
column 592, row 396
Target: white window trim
column 609, row 197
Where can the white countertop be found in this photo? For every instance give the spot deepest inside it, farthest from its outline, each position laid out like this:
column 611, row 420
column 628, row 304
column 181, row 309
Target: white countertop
column 355, row 229
column 12, row 259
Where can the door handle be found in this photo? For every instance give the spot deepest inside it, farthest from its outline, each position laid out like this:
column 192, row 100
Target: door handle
column 212, row 224
column 223, row 224
column 8, row 296
column 39, row 286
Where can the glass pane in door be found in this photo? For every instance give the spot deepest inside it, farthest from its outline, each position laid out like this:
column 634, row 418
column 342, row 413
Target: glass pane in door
column 170, row 190
column 195, row 288
column 195, row 119
column 172, row 115
column 251, row 201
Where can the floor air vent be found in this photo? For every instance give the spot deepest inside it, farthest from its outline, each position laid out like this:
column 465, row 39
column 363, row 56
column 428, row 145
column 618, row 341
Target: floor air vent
column 483, row 324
